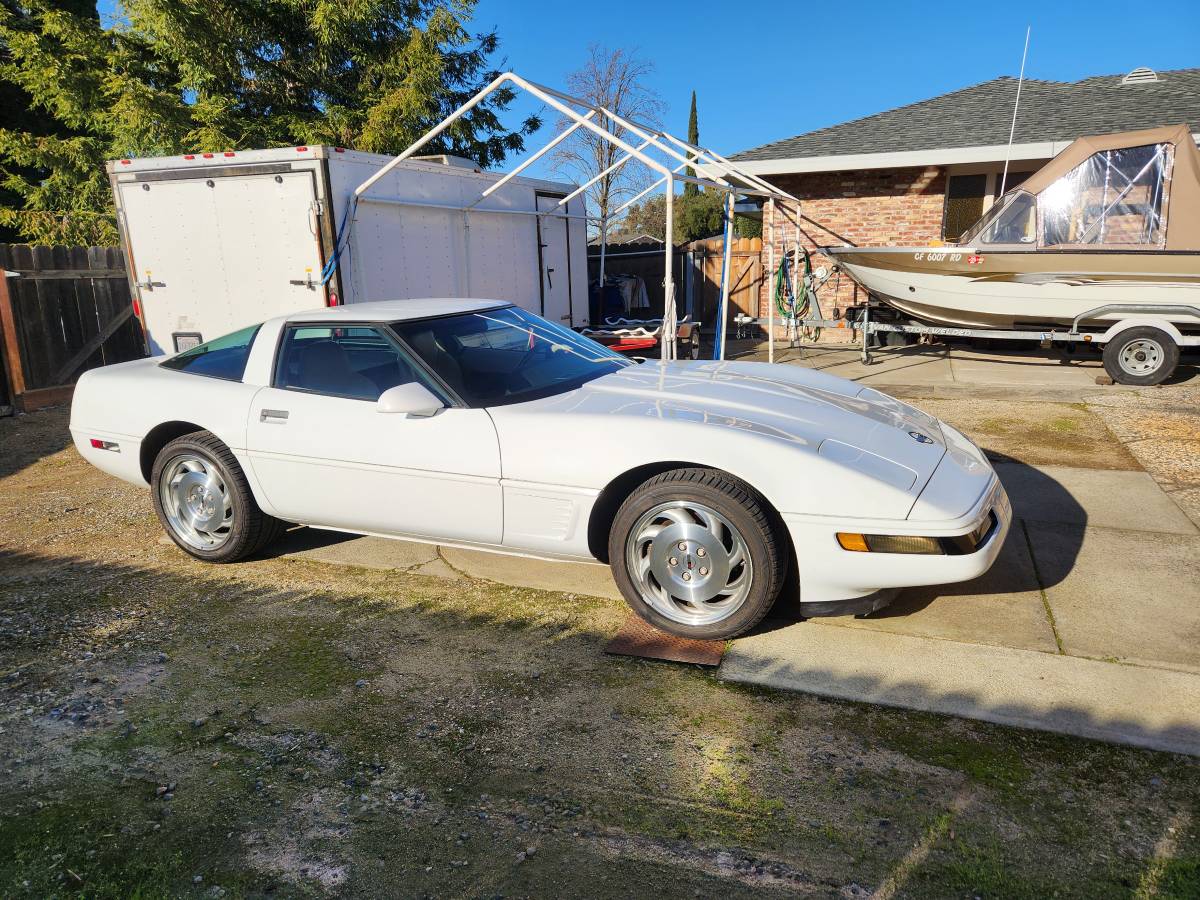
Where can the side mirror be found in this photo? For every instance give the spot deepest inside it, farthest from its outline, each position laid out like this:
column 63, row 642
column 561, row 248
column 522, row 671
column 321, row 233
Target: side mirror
column 413, row 399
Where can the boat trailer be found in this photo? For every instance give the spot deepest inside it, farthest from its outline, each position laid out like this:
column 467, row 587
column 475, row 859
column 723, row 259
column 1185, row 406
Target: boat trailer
column 1131, row 356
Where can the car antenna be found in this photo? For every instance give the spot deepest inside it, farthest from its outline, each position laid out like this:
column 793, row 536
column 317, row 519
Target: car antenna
column 1016, row 106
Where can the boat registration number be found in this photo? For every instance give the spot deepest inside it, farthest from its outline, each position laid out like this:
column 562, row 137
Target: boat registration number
column 937, row 257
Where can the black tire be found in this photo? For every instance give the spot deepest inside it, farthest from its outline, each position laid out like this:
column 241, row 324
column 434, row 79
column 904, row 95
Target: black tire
column 249, row 529
column 694, row 345
column 742, row 508
column 1143, row 355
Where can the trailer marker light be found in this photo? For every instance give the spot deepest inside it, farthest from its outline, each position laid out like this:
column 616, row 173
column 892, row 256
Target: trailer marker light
column 124, row 162
column 229, row 153
column 207, row 155
column 98, row 444
column 301, row 149
column 339, row 149
column 189, row 156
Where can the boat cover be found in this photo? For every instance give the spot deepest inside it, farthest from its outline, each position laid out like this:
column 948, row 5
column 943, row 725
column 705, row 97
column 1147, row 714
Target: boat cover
column 1183, row 210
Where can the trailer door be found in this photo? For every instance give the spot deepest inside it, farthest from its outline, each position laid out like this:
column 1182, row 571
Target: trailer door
column 212, row 255
column 554, row 257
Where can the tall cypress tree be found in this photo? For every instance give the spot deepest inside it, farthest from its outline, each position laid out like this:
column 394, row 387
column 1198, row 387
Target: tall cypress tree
column 691, row 190
column 176, row 76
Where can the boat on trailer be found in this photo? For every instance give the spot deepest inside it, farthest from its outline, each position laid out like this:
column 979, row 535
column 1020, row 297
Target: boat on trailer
column 1112, row 221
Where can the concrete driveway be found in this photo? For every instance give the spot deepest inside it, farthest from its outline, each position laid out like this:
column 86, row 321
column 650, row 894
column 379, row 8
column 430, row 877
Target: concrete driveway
column 1089, row 623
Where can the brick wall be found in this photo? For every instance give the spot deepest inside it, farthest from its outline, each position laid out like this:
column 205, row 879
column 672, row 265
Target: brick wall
column 890, row 207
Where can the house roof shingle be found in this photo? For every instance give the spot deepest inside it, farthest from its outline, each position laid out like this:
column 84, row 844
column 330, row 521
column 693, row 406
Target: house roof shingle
column 980, row 116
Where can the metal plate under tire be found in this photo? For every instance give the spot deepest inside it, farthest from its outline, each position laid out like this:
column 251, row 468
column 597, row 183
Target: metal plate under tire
column 639, row 639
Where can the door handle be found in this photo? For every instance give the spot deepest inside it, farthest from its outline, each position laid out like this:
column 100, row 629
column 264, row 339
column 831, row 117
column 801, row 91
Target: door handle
column 273, row 416
column 549, row 280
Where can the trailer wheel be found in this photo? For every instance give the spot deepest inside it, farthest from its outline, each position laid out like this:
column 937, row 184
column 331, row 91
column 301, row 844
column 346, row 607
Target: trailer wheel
column 1143, row 355
column 694, row 344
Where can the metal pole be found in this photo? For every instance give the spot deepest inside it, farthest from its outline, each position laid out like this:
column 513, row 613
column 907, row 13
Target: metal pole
column 1016, row 106
column 723, row 302
column 534, row 158
column 436, row 130
column 603, row 254
column 866, row 324
column 795, row 327
column 670, row 320
column 771, row 280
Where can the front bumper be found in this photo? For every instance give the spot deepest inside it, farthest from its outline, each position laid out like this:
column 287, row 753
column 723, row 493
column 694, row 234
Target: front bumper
column 834, row 581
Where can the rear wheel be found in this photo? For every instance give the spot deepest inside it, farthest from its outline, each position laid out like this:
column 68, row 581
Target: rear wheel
column 1143, row 355
column 204, row 503
column 694, row 554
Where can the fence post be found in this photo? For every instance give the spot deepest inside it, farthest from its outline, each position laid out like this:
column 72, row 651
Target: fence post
column 12, row 349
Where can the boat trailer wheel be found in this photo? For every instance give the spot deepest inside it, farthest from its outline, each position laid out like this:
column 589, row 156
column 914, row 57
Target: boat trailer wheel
column 1141, row 357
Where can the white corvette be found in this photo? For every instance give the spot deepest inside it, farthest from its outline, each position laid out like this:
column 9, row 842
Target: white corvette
column 707, row 486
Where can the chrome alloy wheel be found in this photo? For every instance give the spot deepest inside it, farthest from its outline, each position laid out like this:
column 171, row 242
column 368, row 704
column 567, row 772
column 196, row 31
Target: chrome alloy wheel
column 1141, row 357
column 689, row 563
column 196, row 502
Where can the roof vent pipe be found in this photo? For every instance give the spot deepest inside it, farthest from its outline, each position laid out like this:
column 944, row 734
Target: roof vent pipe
column 1140, row 75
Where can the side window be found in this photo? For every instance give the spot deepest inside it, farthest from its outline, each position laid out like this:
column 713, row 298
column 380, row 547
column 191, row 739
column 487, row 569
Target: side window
column 1112, row 197
column 224, row 357
column 355, row 361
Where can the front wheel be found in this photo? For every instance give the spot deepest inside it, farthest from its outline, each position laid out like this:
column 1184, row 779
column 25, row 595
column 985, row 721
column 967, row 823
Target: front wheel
column 695, row 554
column 204, row 503
column 1143, row 355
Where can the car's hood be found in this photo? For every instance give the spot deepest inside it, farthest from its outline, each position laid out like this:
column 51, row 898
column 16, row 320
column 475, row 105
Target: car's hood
column 838, row 419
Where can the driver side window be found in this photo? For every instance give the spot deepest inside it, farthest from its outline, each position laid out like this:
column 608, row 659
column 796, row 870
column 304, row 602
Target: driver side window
column 358, row 362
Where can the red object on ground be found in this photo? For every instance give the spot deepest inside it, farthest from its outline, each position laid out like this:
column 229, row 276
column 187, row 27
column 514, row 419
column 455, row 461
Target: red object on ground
column 625, row 345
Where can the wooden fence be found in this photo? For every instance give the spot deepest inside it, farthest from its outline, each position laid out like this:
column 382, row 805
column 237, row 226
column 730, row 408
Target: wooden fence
column 697, row 276
column 648, row 265
column 745, row 279
column 63, row 310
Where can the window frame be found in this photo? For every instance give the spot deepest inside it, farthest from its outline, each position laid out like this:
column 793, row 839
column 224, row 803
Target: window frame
column 430, row 381
column 255, row 331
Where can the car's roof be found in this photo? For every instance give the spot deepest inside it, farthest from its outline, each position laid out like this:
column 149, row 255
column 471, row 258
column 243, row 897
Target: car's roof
column 395, row 310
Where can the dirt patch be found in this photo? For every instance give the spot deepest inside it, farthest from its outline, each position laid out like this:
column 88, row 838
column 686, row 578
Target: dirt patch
column 1035, row 433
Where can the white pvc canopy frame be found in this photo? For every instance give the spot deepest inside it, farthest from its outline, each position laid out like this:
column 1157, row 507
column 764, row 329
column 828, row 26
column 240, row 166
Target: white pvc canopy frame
column 726, row 177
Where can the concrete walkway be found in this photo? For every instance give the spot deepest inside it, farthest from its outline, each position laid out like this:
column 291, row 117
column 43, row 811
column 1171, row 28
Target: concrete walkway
column 940, row 370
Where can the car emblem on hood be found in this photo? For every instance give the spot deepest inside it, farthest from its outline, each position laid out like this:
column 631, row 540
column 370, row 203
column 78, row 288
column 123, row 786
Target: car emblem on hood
column 920, row 438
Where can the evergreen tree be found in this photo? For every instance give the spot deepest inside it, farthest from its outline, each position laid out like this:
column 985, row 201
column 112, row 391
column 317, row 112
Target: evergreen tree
column 691, row 190
column 176, row 76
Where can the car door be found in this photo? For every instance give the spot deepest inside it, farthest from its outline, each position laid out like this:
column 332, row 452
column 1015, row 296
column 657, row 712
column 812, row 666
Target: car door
column 324, row 454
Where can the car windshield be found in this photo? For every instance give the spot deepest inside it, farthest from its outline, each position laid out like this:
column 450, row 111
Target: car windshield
column 501, row 356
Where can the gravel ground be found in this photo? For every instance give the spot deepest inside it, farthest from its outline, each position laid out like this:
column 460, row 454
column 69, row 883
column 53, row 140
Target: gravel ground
column 287, row 728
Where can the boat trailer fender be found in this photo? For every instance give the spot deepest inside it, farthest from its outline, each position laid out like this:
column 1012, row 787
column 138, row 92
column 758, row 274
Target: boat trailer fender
column 1136, row 322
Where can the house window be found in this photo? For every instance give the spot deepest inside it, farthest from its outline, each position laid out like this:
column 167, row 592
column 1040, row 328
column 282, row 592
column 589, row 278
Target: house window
column 965, row 195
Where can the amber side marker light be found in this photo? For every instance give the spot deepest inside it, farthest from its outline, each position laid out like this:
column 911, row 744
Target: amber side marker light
column 888, row 543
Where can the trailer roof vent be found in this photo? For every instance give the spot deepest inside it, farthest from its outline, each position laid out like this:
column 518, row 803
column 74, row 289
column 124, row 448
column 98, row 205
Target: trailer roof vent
column 1141, row 75
column 445, row 159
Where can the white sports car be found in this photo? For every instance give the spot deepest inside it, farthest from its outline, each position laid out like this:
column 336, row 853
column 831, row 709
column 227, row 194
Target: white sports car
column 707, row 486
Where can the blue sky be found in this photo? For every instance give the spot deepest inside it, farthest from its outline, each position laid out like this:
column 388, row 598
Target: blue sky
column 768, row 70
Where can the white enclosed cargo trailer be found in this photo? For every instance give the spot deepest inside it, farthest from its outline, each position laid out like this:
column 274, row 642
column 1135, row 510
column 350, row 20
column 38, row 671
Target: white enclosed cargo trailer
column 219, row 241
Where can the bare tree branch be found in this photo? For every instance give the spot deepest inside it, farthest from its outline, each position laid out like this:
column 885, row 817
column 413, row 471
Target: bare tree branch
column 615, row 80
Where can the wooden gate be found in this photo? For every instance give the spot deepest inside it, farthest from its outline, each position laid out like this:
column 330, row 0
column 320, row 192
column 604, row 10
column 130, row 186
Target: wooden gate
column 63, row 310
column 745, row 279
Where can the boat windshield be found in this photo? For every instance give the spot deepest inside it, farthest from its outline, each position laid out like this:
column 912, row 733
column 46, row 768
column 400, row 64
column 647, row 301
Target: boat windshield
column 1011, row 220
column 502, row 356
